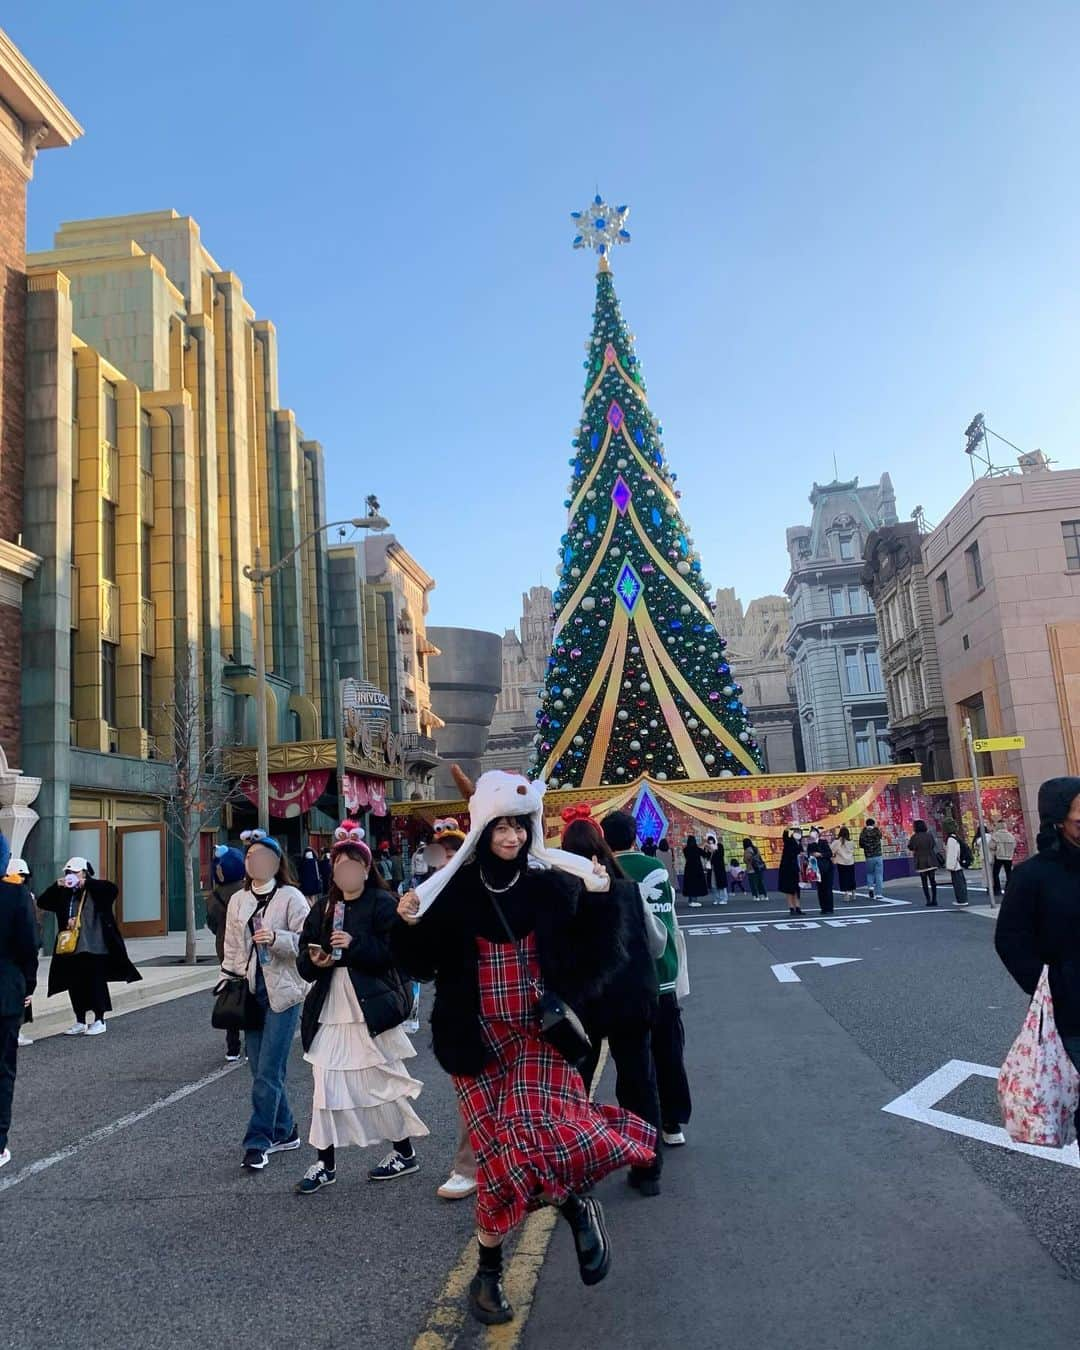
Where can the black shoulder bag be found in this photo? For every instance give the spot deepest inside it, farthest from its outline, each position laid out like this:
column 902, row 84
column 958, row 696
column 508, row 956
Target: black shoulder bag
column 235, row 1007
column 559, row 1025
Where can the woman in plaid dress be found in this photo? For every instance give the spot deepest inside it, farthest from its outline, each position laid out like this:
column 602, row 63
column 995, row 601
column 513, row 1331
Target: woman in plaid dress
column 537, row 1137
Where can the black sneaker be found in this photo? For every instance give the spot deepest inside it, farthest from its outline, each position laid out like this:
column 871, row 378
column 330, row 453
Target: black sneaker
column 315, row 1178
column 394, row 1165
column 255, row 1159
column 286, row 1145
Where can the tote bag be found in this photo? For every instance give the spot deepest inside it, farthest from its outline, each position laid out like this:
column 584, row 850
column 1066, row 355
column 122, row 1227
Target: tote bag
column 1038, row 1086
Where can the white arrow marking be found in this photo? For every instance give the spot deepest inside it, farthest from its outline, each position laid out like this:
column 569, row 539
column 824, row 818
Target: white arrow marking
column 786, row 973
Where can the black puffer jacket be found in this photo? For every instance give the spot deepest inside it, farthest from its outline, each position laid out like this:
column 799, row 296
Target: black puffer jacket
column 379, row 985
column 631, row 996
column 579, row 944
column 1039, row 925
column 58, row 900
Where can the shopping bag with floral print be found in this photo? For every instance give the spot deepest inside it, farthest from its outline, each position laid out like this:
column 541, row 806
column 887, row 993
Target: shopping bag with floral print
column 1038, row 1086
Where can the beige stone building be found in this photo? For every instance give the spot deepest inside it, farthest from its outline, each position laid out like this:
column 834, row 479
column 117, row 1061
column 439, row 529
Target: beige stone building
column 396, row 654
column 756, row 652
column 525, row 653
column 1004, row 575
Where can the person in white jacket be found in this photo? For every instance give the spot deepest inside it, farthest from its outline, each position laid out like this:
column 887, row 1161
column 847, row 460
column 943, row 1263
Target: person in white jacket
column 955, row 871
column 262, row 939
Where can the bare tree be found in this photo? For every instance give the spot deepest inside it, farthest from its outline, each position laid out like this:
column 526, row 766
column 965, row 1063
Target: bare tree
column 202, row 787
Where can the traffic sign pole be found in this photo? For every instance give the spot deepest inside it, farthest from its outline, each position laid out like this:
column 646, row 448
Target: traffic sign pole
column 984, row 848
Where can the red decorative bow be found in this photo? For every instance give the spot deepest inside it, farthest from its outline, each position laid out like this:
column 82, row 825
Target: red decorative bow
column 579, row 811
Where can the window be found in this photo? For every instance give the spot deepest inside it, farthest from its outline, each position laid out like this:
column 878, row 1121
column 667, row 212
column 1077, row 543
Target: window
column 146, row 692
column 853, row 671
column 110, row 412
column 71, row 672
column 944, row 598
column 145, row 561
column 108, row 541
column 908, row 609
column 873, row 671
column 837, row 601
column 847, row 546
column 1070, row 532
column 146, row 450
column 871, row 743
column 903, row 693
column 857, row 600
column 920, row 687
column 974, row 568
column 108, row 683
column 883, row 624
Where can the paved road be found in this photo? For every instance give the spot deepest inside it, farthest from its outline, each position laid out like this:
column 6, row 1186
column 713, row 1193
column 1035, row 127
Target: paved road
column 800, row 1213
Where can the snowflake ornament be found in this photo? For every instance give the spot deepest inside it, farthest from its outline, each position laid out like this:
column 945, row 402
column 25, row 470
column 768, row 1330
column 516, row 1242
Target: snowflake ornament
column 600, row 226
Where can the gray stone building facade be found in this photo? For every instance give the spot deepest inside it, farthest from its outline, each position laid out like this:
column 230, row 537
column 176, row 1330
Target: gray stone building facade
column 833, row 640
column 895, row 580
column 464, row 686
column 525, row 653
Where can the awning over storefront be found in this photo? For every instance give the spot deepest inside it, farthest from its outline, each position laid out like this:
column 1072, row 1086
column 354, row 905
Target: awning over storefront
column 291, row 794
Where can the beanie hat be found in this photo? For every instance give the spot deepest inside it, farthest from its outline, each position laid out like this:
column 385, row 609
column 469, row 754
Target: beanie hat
column 228, row 865
column 251, row 837
column 497, row 794
column 349, row 834
column 1055, row 797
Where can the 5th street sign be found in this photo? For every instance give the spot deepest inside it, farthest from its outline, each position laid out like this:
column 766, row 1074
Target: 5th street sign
column 998, row 743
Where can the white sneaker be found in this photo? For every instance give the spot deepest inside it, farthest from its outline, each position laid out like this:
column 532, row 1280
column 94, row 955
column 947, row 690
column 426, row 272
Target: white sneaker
column 694, row 904
column 97, row 1028
column 674, row 1140
column 411, row 1027
column 5, row 1157
column 456, row 1187
column 24, row 1041
column 76, row 1029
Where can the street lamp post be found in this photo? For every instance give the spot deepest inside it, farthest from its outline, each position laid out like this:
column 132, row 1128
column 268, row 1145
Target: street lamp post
column 258, row 576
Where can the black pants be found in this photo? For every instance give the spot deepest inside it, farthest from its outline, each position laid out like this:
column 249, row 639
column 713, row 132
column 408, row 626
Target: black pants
column 825, row 891
column 87, row 987
column 929, row 885
column 9, row 1048
column 635, row 1075
column 1000, row 865
column 668, row 1045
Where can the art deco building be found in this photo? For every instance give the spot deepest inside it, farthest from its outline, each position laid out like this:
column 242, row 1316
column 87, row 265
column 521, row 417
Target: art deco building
column 163, row 465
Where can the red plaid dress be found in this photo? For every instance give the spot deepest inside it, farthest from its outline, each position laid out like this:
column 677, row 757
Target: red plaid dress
column 536, row 1135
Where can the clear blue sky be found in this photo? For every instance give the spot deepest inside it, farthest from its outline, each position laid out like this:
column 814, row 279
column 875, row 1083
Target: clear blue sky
column 853, row 230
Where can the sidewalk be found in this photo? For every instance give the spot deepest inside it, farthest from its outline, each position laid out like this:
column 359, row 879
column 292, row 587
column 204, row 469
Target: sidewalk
column 159, row 983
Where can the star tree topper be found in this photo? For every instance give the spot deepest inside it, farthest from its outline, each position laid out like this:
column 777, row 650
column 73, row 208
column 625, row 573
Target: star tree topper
column 600, row 227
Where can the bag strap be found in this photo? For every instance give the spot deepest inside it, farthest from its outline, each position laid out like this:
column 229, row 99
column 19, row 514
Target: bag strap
column 78, row 914
column 516, row 943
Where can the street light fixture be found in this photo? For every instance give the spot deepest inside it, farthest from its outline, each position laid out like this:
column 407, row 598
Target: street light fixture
column 258, row 576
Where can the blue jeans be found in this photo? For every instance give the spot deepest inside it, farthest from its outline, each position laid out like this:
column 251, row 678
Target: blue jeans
column 268, row 1055
column 875, row 875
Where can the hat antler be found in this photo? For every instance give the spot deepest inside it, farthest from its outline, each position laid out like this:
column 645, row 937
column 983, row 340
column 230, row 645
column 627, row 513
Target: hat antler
column 465, row 784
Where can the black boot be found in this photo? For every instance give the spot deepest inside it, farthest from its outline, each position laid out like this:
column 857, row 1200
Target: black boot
column 487, row 1301
column 586, row 1220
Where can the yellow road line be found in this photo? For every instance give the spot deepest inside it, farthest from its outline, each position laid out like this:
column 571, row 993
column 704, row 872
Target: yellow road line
column 447, row 1317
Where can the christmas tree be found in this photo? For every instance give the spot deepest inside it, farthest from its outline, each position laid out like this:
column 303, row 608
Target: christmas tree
column 637, row 681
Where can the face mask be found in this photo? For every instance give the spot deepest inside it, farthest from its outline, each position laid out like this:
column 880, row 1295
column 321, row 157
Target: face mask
column 71, row 881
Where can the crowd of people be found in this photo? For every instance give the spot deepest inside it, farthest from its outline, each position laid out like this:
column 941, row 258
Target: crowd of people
column 537, row 956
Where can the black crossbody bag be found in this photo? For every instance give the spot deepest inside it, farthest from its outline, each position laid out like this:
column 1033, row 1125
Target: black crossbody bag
column 559, row 1024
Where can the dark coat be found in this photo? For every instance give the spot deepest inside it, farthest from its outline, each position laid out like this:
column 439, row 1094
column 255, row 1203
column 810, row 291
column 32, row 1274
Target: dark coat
column 923, row 848
column 18, row 949
column 217, row 908
column 102, row 895
column 311, row 881
column 694, row 881
column 631, row 996
column 787, row 878
column 378, row 983
column 579, row 946
column 719, row 870
column 1039, row 925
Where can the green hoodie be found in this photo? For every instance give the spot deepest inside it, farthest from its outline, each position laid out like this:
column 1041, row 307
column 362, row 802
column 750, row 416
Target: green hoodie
column 637, row 867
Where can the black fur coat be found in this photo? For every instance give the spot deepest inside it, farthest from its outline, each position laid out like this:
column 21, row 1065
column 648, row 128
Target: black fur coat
column 579, row 944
